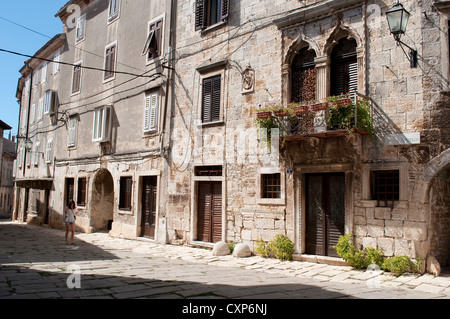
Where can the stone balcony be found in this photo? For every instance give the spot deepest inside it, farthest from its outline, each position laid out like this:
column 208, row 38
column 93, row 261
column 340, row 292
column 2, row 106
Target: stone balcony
column 331, row 118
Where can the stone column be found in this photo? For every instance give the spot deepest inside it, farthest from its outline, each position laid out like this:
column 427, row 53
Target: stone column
column 322, row 91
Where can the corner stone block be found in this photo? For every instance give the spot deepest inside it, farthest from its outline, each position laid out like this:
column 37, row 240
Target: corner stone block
column 386, row 245
column 415, row 231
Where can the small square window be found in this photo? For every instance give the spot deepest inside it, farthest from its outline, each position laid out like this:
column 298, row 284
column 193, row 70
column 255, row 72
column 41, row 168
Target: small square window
column 271, row 185
column 385, row 186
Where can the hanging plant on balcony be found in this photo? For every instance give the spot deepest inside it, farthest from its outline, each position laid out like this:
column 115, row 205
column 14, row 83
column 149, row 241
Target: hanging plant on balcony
column 342, row 115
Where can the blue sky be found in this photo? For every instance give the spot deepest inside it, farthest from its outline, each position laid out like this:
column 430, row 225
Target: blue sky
column 33, row 14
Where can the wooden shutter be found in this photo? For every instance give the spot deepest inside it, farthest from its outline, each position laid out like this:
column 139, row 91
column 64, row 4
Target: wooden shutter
column 151, row 112
column 200, row 14
column 204, row 212
column 72, row 131
column 211, row 99
column 353, row 76
column 225, row 9
column 216, row 212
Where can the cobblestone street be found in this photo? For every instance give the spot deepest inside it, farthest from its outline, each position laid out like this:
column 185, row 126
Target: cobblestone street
column 36, row 263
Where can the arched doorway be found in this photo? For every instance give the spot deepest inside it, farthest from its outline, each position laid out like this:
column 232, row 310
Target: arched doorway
column 440, row 217
column 102, row 205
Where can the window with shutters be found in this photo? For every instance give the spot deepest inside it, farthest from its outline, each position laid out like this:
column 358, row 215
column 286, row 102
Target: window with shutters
column 113, row 12
column 125, row 192
column 210, row 12
column 36, row 153
column 151, row 112
column 81, row 195
column 211, row 97
column 50, row 102
column 344, row 67
column 303, row 76
column 110, row 61
column 80, row 28
column 49, row 152
column 41, row 109
column 101, row 131
column 72, row 132
column 153, row 47
column 76, row 79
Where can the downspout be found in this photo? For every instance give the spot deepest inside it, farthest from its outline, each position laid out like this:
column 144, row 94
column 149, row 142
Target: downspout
column 169, row 68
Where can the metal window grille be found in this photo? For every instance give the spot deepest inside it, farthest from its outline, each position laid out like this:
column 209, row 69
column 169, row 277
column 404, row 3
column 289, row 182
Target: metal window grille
column 208, row 171
column 385, row 186
column 271, row 186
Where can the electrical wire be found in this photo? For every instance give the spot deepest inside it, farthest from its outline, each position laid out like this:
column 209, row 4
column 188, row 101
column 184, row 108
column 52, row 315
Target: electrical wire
column 74, row 65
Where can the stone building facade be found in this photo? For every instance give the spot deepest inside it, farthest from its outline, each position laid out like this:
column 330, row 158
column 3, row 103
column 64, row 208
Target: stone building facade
column 7, row 157
column 264, row 45
column 202, row 159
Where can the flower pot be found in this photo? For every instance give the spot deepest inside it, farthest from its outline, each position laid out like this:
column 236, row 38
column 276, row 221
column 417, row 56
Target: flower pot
column 280, row 113
column 263, row 115
column 319, row 106
column 301, row 109
column 345, row 101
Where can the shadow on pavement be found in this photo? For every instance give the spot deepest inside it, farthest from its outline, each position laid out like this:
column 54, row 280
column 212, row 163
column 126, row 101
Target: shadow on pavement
column 24, row 283
column 21, row 244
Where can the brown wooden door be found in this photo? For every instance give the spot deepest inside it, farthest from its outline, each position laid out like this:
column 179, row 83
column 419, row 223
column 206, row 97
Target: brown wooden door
column 325, row 212
column 149, row 192
column 209, row 217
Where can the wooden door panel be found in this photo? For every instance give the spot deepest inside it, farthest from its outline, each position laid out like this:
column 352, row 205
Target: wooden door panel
column 209, row 212
column 325, row 212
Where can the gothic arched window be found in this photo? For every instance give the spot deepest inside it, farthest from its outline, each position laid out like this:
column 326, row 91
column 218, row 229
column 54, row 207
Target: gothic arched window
column 303, row 76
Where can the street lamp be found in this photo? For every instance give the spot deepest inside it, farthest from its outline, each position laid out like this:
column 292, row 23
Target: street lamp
column 28, row 144
column 398, row 19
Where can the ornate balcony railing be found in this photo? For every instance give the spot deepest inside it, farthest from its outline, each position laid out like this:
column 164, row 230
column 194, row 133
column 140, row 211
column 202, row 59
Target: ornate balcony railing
column 336, row 116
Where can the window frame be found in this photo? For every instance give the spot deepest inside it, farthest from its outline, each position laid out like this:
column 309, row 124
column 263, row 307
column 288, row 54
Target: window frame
column 215, row 110
column 390, row 181
column 49, row 151
column 151, row 112
column 82, row 200
column 110, row 63
column 80, row 25
column 153, row 36
column 101, row 128
column 126, row 193
column 259, row 184
column 112, row 15
column 203, row 17
column 76, row 77
column 72, row 132
column 36, row 152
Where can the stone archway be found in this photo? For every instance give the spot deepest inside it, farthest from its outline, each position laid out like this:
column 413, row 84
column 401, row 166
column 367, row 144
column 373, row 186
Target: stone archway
column 102, row 204
column 439, row 196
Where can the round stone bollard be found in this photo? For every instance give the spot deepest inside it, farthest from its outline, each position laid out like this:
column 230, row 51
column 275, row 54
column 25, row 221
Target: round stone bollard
column 242, row 250
column 221, row 249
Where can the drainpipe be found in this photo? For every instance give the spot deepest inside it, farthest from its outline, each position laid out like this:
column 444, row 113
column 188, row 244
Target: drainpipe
column 169, row 68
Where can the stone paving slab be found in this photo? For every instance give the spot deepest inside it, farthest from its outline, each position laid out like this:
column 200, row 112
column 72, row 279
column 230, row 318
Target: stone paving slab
column 119, row 268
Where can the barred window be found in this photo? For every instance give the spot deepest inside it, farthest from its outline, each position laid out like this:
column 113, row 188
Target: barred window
column 125, row 192
column 385, row 186
column 271, row 185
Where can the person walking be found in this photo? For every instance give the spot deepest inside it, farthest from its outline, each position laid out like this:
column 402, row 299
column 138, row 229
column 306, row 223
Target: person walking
column 69, row 219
